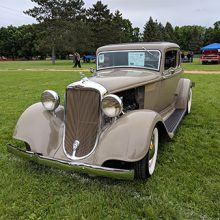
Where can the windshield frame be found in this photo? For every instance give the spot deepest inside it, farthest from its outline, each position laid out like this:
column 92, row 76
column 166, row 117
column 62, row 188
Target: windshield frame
column 120, row 51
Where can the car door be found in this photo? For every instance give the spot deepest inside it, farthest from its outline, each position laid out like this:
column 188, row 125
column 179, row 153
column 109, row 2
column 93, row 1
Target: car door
column 170, row 78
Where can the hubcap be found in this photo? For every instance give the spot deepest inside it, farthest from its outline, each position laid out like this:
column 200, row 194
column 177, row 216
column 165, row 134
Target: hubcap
column 153, row 151
column 151, row 148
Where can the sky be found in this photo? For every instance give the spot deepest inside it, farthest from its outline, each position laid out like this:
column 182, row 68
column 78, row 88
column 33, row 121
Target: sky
column 177, row 12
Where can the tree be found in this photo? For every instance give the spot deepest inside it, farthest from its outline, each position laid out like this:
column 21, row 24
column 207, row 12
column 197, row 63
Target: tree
column 169, row 33
column 208, row 36
column 50, row 10
column 216, row 32
column 10, row 39
column 122, row 30
column 127, row 31
column 28, row 40
column 117, row 27
column 217, row 25
column 153, row 31
column 161, row 32
column 190, row 37
column 212, row 35
column 197, row 38
column 54, row 15
column 136, row 35
column 99, row 20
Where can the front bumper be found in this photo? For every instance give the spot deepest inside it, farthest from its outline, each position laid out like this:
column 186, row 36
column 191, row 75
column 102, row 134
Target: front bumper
column 72, row 166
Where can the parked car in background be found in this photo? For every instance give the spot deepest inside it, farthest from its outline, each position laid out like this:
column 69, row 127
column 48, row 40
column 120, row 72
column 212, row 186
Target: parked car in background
column 3, row 58
column 8, row 59
column 88, row 58
column 210, row 56
column 111, row 123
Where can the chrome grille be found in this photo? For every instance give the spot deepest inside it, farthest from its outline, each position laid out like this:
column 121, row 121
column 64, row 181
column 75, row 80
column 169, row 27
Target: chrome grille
column 81, row 120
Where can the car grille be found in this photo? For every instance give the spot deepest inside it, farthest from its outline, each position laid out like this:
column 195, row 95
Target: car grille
column 81, row 120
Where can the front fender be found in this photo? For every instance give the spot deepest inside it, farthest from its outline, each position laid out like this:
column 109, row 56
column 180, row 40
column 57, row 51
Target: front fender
column 128, row 138
column 41, row 129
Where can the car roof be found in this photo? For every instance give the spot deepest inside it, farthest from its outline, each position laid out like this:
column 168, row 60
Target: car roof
column 138, row 46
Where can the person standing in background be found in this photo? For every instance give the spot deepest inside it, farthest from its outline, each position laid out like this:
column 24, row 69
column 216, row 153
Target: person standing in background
column 188, row 57
column 77, row 60
column 182, row 56
column 192, row 54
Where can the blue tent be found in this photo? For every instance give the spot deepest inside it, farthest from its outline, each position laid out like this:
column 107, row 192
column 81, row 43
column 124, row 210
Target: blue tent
column 214, row 46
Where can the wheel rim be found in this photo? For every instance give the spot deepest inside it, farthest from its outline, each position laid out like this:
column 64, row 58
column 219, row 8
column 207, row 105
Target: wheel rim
column 153, row 148
column 189, row 104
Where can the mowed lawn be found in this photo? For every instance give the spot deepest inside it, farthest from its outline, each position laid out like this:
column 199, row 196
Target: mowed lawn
column 185, row 185
column 66, row 65
column 197, row 65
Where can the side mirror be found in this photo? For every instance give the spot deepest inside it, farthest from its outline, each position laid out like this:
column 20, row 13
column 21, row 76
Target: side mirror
column 171, row 70
column 168, row 72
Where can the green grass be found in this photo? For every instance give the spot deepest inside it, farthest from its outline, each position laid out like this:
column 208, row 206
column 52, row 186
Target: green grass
column 60, row 65
column 185, row 184
column 68, row 65
column 197, row 65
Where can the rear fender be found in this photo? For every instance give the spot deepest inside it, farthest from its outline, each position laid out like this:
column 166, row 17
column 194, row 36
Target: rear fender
column 128, row 138
column 183, row 93
column 41, row 129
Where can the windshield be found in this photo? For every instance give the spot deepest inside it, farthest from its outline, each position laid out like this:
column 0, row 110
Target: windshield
column 149, row 59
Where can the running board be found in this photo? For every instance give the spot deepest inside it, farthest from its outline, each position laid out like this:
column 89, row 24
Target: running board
column 173, row 121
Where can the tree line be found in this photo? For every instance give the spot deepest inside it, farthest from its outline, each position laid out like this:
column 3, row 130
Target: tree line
column 66, row 26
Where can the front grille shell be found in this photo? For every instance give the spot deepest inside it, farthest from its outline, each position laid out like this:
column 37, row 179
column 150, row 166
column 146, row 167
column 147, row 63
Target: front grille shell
column 82, row 118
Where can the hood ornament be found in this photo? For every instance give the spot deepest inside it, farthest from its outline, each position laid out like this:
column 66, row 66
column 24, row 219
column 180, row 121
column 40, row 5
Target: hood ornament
column 76, row 144
column 83, row 77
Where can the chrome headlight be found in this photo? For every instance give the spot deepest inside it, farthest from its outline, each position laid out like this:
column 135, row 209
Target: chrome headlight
column 112, row 105
column 50, row 100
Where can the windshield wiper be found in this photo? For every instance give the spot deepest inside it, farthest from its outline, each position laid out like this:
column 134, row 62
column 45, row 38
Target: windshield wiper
column 147, row 51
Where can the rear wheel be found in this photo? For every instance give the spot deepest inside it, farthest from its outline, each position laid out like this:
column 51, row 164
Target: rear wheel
column 145, row 167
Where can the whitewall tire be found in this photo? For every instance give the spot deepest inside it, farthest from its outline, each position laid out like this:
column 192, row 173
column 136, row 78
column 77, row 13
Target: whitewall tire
column 145, row 167
column 189, row 101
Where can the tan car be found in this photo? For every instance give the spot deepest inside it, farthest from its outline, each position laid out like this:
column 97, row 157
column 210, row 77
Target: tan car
column 111, row 123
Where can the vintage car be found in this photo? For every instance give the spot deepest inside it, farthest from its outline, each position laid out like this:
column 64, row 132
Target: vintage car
column 111, row 122
column 210, row 56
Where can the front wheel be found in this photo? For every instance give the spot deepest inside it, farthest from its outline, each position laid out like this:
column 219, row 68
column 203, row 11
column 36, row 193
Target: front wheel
column 146, row 166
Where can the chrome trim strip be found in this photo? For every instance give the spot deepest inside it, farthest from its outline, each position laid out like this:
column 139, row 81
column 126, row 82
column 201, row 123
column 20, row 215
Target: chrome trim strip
column 72, row 166
column 85, row 83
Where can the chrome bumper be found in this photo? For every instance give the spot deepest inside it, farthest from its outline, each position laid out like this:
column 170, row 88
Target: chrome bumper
column 72, row 166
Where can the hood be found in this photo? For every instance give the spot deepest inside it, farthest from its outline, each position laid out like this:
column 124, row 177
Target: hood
column 118, row 80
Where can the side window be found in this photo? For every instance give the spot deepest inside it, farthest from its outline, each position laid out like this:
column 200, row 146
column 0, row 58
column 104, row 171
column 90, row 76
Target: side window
column 171, row 59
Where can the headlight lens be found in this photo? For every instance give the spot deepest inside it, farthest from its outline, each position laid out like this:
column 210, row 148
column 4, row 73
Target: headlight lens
column 50, row 100
column 112, row 105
